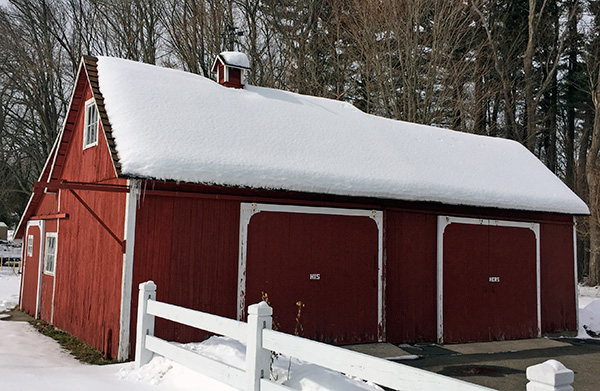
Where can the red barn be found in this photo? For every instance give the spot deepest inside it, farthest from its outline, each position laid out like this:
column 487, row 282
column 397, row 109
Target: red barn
column 355, row 228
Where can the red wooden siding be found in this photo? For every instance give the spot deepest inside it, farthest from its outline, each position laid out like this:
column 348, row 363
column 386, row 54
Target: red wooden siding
column 48, row 205
column 557, row 278
column 221, row 72
column 93, row 164
column 189, row 247
column 31, row 271
column 47, row 279
column 89, row 270
column 476, row 309
column 235, row 77
column 410, row 248
column 284, row 249
column 46, row 297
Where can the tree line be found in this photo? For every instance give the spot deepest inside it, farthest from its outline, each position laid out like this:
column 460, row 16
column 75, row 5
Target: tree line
column 527, row 70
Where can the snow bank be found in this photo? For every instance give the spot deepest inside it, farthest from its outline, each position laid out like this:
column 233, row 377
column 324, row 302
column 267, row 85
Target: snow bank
column 589, row 320
column 291, row 372
column 174, row 125
column 587, row 294
column 589, row 312
column 9, row 289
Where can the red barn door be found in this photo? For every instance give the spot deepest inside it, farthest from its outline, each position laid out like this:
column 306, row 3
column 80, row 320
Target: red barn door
column 489, row 282
column 31, row 267
column 319, row 273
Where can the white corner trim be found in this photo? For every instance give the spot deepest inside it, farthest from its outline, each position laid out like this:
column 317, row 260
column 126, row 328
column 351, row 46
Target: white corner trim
column 442, row 223
column 576, row 272
column 42, row 225
column 55, row 260
column 247, row 210
column 538, row 278
column 131, row 204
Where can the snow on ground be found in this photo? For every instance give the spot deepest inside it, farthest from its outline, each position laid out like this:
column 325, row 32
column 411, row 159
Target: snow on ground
column 589, row 312
column 9, row 289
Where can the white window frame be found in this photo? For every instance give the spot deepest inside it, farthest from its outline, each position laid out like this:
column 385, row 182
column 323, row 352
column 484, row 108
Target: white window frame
column 30, row 245
column 90, row 139
column 47, row 254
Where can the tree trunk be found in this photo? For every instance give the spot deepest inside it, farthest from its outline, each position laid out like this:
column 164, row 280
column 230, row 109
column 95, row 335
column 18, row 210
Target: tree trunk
column 593, row 178
column 528, row 75
column 571, row 91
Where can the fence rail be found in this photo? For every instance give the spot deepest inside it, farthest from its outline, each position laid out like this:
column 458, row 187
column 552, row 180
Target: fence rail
column 12, row 264
column 260, row 340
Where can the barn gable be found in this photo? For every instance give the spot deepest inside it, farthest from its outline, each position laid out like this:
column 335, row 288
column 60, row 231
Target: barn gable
column 76, row 213
column 86, row 87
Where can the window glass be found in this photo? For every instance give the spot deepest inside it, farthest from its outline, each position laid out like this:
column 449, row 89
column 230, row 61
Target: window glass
column 90, row 129
column 30, row 245
column 50, row 257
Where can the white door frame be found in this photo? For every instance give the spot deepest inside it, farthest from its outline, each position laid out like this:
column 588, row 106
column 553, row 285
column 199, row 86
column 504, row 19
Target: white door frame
column 247, row 210
column 41, row 224
column 442, row 223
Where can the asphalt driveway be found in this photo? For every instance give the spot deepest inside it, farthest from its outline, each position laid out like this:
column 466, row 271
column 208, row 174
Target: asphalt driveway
column 502, row 365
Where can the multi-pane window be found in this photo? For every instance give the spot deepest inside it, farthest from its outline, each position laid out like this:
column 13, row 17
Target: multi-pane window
column 90, row 128
column 50, row 256
column 30, row 245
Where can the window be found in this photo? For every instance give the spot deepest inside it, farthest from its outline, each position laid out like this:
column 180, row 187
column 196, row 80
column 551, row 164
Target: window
column 30, row 245
column 50, row 257
column 90, row 128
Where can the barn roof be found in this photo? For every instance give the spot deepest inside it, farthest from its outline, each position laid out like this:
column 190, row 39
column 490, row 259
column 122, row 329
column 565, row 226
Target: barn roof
column 172, row 125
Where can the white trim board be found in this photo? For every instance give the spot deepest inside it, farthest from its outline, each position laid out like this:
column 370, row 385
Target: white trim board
column 131, row 204
column 442, row 223
column 247, row 210
column 576, row 272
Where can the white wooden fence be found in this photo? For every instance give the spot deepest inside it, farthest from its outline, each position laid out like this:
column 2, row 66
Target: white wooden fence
column 260, row 340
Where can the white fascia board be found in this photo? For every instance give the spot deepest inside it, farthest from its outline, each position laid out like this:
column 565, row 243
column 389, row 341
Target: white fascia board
column 576, row 272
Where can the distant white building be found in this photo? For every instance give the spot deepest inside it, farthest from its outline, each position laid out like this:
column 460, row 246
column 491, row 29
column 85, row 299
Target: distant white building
column 3, row 231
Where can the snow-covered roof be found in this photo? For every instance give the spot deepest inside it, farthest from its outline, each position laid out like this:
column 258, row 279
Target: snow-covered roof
column 236, row 59
column 174, row 125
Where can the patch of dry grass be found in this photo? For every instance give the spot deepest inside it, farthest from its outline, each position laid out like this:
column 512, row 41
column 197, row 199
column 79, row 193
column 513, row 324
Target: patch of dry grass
column 81, row 350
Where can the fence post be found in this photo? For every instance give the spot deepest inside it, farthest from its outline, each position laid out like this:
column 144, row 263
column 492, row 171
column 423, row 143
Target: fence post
column 551, row 375
column 258, row 359
column 145, row 323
